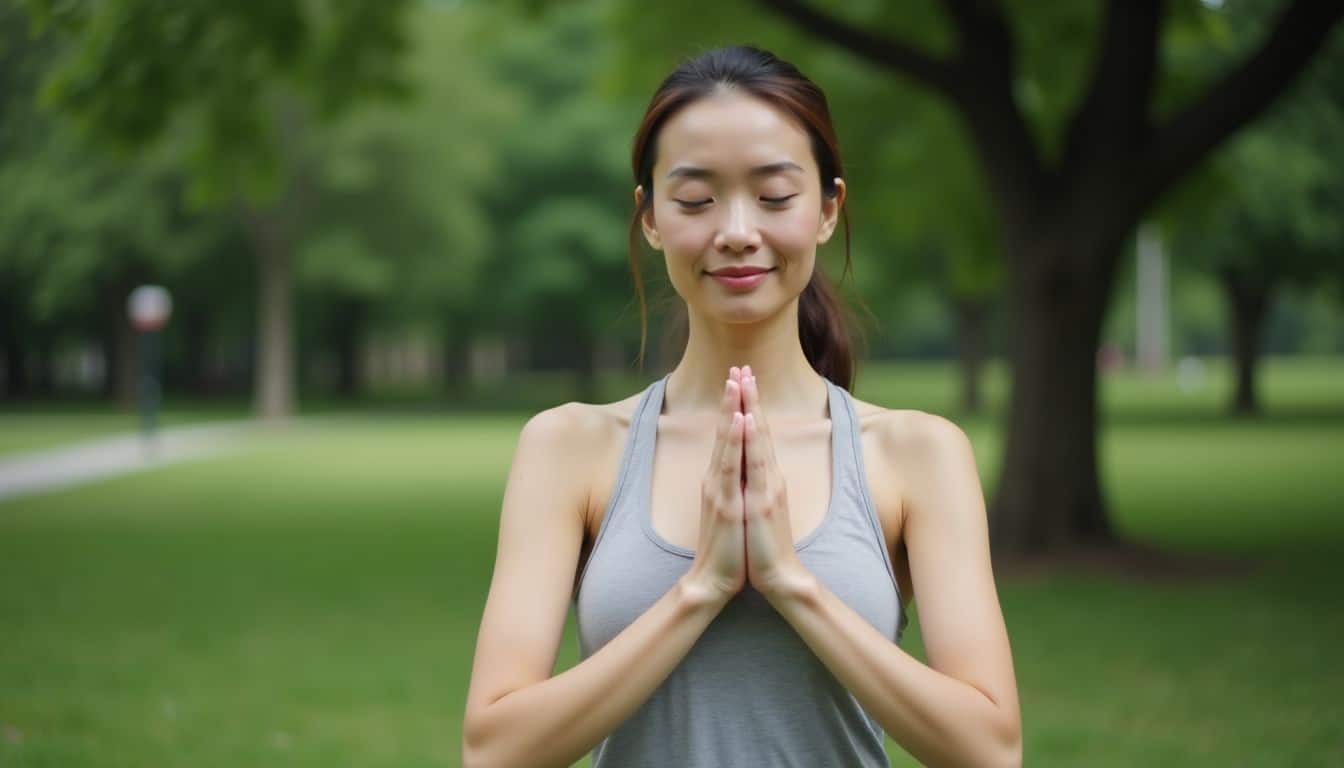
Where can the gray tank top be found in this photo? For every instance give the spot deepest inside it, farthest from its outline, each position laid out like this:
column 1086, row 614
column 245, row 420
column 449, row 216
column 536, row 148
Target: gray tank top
column 749, row 692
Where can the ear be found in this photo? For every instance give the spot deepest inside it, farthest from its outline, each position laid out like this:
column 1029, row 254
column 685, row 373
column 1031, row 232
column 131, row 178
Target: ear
column 646, row 221
column 830, row 211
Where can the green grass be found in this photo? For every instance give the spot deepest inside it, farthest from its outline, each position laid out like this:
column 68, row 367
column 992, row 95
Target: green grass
column 314, row 601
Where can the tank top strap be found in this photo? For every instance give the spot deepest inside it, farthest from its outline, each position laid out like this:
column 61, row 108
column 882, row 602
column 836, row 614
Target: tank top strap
column 635, row 464
column 852, row 480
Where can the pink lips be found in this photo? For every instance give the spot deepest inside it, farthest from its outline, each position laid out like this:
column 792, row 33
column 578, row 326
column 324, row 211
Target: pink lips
column 740, row 278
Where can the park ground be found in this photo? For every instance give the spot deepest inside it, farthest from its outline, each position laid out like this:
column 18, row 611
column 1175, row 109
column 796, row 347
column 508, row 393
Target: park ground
column 313, row 600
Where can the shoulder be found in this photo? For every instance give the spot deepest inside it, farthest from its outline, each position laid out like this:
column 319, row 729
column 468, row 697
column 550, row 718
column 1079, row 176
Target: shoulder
column 907, row 434
column 576, row 426
column 574, row 435
column 936, row 461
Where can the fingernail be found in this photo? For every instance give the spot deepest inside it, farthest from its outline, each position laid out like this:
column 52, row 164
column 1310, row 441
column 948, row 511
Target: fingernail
column 737, row 419
column 751, row 421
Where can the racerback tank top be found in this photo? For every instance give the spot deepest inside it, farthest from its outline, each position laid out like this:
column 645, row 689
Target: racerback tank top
column 749, row 692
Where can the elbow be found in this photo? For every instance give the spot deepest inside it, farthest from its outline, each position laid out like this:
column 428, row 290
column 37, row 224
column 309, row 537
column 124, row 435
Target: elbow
column 477, row 756
column 1012, row 755
column 477, row 752
column 482, row 749
column 1010, row 746
column 472, row 754
column 999, row 744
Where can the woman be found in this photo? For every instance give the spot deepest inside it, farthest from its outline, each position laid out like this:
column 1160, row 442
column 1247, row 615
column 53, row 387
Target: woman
column 739, row 589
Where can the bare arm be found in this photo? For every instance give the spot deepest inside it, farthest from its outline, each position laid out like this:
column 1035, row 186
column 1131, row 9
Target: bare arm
column 962, row 708
column 516, row 713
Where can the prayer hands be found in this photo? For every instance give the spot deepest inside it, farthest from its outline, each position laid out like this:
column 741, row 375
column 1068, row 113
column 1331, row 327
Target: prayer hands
column 773, row 567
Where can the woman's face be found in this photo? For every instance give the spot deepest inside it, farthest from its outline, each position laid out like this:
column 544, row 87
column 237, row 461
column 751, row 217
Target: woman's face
column 735, row 185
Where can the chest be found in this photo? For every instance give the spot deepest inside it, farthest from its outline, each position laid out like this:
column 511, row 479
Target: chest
column 804, row 453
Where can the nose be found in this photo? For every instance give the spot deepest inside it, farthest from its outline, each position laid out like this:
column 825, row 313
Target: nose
column 738, row 231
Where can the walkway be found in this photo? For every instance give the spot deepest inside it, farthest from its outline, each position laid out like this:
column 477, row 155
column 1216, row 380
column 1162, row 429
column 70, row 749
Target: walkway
column 41, row 471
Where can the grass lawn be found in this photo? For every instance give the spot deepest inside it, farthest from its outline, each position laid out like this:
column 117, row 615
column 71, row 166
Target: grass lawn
column 314, row 601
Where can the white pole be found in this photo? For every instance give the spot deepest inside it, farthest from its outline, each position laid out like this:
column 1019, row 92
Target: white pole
column 1152, row 306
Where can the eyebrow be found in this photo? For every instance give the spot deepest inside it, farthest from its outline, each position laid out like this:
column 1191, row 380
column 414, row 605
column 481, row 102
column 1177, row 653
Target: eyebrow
column 693, row 172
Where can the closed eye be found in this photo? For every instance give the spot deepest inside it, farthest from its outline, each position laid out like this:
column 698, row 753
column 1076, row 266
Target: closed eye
column 693, row 203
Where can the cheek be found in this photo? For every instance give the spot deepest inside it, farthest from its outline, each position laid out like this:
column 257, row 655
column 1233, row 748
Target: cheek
column 689, row 237
column 796, row 231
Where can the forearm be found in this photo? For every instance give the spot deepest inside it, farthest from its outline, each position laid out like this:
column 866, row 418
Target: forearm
column 557, row 721
column 938, row 719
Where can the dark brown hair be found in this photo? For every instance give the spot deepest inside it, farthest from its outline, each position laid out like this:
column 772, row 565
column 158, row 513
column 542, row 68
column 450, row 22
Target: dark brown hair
column 822, row 323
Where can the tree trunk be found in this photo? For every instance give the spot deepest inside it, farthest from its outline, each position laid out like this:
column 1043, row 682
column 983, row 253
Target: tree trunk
column 586, row 354
column 349, row 329
column 970, row 315
column 45, row 381
column 1049, row 494
column 274, row 392
column 456, row 365
column 11, row 338
column 127, row 372
column 1247, row 303
column 196, row 329
column 117, row 339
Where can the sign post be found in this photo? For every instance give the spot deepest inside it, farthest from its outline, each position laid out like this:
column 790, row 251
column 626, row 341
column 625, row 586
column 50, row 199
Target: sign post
column 149, row 307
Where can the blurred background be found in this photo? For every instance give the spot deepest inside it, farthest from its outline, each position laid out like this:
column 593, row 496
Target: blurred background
column 255, row 523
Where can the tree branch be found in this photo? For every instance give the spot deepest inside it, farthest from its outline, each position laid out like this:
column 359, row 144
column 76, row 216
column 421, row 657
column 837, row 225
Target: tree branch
column 1240, row 96
column 983, row 30
column 979, row 82
column 986, row 96
column 1113, row 121
column 883, row 51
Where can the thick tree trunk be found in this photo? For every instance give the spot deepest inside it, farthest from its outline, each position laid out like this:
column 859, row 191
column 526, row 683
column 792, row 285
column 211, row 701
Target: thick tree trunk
column 1247, row 304
column 1049, row 494
column 970, row 316
column 274, row 383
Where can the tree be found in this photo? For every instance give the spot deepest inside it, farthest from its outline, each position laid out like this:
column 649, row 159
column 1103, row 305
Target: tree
column 560, row 198
column 244, row 81
column 1068, row 182
column 79, row 229
column 1267, row 214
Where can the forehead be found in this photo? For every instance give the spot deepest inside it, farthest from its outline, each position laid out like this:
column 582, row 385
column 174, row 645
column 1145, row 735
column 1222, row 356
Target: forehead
column 731, row 131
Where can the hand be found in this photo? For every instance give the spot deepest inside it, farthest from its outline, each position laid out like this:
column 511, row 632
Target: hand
column 719, row 570
column 773, row 567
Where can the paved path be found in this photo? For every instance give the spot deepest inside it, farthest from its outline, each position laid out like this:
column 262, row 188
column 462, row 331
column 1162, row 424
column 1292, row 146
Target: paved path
column 47, row 470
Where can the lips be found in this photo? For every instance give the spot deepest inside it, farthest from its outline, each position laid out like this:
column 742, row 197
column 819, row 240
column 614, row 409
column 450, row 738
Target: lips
column 739, row 271
column 740, row 279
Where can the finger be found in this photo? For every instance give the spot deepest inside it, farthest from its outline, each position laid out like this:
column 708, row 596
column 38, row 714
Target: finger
column 755, row 455
column 730, row 464
column 751, row 402
column 760, row 429
column 728, row 404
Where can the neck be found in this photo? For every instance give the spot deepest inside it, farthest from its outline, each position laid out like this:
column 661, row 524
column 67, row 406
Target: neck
column 789, row 387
